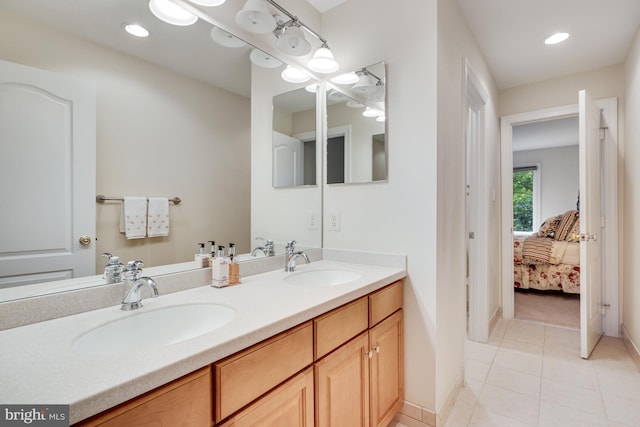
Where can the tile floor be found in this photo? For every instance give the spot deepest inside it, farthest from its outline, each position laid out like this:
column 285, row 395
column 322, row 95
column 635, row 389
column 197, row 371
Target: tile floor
column 530, row 374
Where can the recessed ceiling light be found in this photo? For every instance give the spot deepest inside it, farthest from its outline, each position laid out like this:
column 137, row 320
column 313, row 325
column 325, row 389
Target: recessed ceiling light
column 556, row 38
column 136, row 30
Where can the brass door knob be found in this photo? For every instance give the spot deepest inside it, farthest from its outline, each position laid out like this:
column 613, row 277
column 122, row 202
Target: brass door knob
column 85, row 240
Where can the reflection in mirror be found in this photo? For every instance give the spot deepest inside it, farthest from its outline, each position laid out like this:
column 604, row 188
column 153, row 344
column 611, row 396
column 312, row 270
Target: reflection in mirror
column 356, row 127
column 294, row 138
column 171, row 121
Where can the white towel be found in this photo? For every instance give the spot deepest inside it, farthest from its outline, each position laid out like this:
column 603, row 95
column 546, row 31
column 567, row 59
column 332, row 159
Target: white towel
column 133, row 217
column 158, row 217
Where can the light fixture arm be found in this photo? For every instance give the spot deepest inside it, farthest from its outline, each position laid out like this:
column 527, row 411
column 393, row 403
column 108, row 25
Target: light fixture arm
column 365, row 71
column 294, row 20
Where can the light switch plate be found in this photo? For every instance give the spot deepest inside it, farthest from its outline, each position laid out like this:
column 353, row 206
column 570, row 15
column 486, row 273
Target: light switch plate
column 313, row 221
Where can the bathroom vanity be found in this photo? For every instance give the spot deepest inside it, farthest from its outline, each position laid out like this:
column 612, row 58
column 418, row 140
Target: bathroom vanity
column 299, row 351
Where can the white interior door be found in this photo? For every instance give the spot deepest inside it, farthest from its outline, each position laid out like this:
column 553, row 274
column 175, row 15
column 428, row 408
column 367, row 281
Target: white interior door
column 591, row 324
column 476, row 217
column 473, row 302
column 47, row 176
column 288, row 163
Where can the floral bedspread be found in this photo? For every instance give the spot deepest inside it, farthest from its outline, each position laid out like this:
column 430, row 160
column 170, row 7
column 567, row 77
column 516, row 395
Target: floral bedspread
column 559, row 277
column 534, row 273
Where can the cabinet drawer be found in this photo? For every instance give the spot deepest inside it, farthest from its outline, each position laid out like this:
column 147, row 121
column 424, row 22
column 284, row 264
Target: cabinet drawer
column 291, row 405
column 249, row 374
column 339, row 326
column 384, row 302
column 185, row 401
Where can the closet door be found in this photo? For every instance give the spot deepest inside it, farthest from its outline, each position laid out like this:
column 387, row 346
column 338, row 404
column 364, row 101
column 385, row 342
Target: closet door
column 47, row 176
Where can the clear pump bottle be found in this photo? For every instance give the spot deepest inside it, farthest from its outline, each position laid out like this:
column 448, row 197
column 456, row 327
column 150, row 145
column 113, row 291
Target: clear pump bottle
column 202, row 258
column 220, row 270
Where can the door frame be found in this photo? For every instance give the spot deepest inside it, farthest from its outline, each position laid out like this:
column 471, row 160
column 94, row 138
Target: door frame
column 475, row 96
column 609, row 107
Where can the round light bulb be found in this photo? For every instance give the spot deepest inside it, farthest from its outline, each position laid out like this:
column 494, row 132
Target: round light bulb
column 171, row 13
column 293, row 75
column 208, row 2
column 323, row 61
column 345, row 79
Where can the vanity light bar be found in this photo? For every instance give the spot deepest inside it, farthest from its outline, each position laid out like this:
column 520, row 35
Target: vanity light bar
column 296, row 20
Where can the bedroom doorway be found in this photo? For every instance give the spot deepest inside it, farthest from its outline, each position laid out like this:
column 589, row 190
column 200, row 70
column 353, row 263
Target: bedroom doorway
column 609, row 184
column 545, row 186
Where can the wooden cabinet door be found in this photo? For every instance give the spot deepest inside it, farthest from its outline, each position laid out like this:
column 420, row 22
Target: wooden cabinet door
column 185, row 402
column 387, row 369
column 291, row 405
column 342, row 385
column 247, row 375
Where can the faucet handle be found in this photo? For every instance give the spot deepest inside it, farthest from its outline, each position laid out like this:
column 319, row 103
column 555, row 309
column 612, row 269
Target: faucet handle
column 135, row 265
column 291, row 245
column 114, row 261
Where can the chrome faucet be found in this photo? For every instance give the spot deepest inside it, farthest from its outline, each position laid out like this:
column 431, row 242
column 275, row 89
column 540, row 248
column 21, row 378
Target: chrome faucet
column 268, row 248
column 292, row 255
column 132, row 299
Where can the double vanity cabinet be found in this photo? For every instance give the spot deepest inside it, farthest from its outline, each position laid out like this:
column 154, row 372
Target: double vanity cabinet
column 341, row 368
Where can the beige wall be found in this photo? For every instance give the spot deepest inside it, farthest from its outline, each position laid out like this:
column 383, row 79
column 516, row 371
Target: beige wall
column 601, row 83
column 158, row 134
column 631, row 196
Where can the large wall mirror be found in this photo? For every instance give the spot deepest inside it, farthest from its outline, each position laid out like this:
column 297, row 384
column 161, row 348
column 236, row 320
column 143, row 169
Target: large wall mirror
column 356, row 127
column 174, row 118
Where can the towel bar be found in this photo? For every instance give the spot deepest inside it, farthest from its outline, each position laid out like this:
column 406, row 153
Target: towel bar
column 101, row 198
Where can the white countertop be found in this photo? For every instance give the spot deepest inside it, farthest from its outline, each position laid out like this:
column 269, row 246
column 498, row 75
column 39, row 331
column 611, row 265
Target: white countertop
column 39, row 366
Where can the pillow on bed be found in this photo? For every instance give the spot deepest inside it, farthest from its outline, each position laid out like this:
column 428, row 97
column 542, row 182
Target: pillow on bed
column 567, row 223
column 575, row 231
column 550, row 226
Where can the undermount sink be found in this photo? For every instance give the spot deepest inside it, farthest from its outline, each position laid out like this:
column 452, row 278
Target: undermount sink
column 326, row 277
column 154, row 328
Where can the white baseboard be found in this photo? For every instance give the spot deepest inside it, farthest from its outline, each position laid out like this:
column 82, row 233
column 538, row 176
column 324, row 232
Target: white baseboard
column 494, row 319
column 631, row 346
column 447, row 405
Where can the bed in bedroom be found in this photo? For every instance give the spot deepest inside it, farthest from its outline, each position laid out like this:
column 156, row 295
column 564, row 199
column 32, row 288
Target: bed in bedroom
column 550, row 258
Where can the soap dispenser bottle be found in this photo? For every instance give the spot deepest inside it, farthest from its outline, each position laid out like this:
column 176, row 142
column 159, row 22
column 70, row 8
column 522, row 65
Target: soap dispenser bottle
column 234, row 267
column 202, row 258
column 212, row 245
column 220, row 270
column 113, row 270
